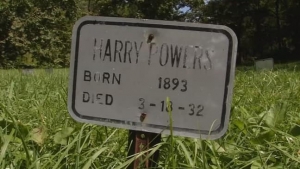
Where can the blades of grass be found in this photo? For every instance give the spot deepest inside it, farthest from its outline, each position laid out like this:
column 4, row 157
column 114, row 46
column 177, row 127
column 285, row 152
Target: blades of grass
column 130, row 160
column 215, row 151
column 196, row 150
column 34, row 163
column 5, row 145
column 138, row 155
column 250, row 162
column 11, row 90
column 106, row 132
column 230, row 163
column 90, row 161
column 212, row 147
column 46, row 97
column 173, row 161
column 260, row 159
column 111, row 149
column 62, row 96
column 284, row 152
column 109, row 137
column 79, row 144
column 187, row 154
column 154, row 149
column 86, row 137
column 17, row 129
column 203, row 154
column 151, row 151
column 64, row 154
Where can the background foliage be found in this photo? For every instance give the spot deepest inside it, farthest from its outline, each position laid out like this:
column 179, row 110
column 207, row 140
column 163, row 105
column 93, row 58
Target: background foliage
column 36, row 33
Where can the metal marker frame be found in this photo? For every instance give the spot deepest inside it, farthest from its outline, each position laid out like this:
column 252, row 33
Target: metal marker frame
column 148, row 134
column 140, row 126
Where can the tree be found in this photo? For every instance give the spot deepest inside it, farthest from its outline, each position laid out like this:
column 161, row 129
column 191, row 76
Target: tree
column 35, row 32
column 265, row 28
column 144, row 9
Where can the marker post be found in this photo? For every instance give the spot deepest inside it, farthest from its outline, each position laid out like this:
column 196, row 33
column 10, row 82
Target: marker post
column 139, row 141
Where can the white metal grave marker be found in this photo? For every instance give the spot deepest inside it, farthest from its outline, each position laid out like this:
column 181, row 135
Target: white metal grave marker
column 264, row 64
column 27, row 71
column 49, row 70
column 122, row 70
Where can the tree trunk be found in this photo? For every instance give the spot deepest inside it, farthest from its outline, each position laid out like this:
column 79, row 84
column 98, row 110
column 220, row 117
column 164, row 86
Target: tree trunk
column 278, row 26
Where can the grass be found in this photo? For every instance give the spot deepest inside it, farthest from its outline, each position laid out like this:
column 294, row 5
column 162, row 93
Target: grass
column 38, row 133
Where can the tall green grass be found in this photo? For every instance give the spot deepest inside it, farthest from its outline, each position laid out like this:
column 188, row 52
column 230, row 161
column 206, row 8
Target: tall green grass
column 37, row 131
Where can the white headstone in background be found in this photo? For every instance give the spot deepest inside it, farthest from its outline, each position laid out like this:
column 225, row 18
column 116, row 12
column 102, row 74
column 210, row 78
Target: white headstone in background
column 264, row 64
column 49, row 70
column 27, row 71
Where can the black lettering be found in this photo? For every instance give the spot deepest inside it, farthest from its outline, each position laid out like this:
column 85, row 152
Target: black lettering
column 162, row 105
column 200, row 109
column 159, row 84
column 118, row 51
column 87, row 75
column 105, row 77
column 127, row 51
column 107, row 50
column 197, row 57
column 192, row 109
column 184, row 85
column 169, row 106
column 98, row 97
column 97, row 76
column 108, row 99
column 142, row 104
column 185, row 56
column 117, row 79
column 137, row 51
column 97, row 48
column 175, row 56
column 86, row 97
column 93, row 99
column 209, row 60
column 150, row 52
column 167, row 54
column 175, row 83
column 167, row 83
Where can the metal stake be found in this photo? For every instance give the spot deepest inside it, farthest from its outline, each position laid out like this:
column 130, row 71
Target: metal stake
column 139, row 141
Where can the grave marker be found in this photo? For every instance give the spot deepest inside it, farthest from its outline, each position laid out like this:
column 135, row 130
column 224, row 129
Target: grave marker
column 27, row 71
column 49, row 70
column 264, row 64
column 122, row 70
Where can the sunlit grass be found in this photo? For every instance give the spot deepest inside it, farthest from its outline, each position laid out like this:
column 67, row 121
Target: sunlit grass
column 37, row 131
